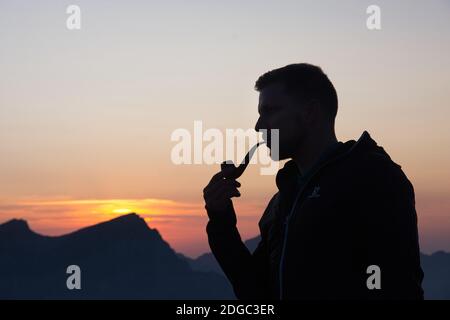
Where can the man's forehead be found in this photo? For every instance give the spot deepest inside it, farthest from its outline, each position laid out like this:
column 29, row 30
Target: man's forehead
column 272, row 93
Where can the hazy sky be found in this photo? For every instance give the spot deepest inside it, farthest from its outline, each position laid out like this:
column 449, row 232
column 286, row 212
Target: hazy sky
column 86, row 115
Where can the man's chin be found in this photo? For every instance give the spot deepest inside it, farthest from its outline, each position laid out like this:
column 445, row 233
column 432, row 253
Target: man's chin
column 277, row 156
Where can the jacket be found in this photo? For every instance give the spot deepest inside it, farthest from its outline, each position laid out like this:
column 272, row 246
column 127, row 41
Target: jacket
column 322, row 238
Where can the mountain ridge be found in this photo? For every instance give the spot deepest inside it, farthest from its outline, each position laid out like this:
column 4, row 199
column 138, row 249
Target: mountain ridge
column 127, row 259
column 122, row 258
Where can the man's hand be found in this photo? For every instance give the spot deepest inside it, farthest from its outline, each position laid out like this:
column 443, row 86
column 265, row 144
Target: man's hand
column 218, row 194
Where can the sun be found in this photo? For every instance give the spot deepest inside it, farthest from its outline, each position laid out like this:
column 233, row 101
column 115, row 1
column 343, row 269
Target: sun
column 122, row 210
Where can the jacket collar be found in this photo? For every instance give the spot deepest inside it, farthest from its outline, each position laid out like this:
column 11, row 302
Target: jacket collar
column 286, row 178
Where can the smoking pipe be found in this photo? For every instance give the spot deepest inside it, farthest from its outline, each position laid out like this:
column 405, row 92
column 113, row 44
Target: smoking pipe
column 230, row 171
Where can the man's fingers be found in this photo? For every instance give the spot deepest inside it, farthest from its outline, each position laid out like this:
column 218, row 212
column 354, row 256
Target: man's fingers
column 224, row 193
column 219, row 185
column 219, row 176
column 216, row 178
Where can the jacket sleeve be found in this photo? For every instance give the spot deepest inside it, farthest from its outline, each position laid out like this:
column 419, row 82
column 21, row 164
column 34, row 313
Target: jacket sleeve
column 247, row 272
column 391, row 237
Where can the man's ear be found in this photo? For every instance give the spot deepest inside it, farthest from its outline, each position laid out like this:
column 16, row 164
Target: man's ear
column 312, row 110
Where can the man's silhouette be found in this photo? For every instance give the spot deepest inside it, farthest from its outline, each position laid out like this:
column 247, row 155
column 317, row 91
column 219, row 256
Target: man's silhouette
column 340, row 208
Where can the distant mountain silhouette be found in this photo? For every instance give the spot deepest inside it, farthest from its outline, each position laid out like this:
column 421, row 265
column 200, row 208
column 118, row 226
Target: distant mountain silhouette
column 125, row 259
column 436, row 267
column 437, row 275
column 119, row 259
column 207, row 263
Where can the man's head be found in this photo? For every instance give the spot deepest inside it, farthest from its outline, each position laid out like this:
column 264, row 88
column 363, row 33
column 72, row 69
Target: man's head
column 300, row 101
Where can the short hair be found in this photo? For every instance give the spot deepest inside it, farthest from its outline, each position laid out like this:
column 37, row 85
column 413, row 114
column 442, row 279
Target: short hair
column 306, row 80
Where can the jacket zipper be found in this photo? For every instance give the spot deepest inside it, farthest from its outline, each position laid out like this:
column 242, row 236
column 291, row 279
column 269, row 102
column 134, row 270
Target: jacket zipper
column 286, row 229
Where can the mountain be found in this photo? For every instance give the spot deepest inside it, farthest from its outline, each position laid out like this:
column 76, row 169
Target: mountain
column 437, row 275
column 436, row 267
column 207, row 263
column 119, row 259
column 125, row 259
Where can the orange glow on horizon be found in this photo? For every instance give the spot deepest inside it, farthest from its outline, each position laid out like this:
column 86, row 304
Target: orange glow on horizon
column 181, row 224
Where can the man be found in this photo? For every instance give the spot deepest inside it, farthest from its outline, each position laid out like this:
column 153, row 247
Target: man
column 343, row 224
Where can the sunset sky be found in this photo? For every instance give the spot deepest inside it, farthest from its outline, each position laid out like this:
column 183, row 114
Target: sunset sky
column 86, row 115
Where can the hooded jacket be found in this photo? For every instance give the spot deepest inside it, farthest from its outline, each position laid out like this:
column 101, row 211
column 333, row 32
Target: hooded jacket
column 348, row 231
